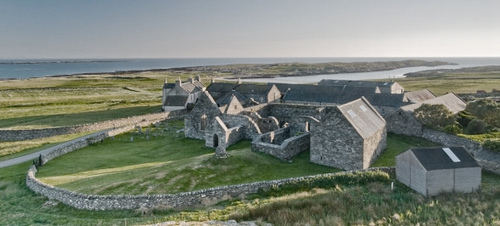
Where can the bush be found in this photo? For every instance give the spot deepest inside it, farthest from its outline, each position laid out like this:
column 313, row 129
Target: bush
column 493, row 145
column 453, row 129
column 464, row 117
column 434, row 115
column 476, row 126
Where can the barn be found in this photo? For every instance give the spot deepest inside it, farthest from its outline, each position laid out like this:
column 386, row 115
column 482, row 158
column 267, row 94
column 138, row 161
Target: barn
column 431, row 171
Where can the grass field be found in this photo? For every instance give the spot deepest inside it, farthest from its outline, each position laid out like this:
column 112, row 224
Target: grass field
column 457, row 82
column 131, row 161
column 165, row 163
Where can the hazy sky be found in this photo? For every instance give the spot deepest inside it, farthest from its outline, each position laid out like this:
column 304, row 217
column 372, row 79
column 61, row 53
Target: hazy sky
column 248, row 28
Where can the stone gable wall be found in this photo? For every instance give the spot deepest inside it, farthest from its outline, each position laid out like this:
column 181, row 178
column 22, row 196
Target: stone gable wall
column 286, row 112
column 401, row 122
column 16, row 135
column 335, row 143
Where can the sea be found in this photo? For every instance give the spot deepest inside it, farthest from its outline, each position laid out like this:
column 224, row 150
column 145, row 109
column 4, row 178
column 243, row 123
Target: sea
column 31, row 68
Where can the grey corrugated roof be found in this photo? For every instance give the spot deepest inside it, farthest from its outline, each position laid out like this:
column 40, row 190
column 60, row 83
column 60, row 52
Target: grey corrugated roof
column 419, row 96
column 363, row 117
column 450, row 100
column 176, row 100
column 435, row 158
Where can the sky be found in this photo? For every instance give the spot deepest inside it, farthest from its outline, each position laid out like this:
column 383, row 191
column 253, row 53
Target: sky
column 252, row 28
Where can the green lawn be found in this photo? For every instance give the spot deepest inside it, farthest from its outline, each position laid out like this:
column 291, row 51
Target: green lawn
column 165, row 164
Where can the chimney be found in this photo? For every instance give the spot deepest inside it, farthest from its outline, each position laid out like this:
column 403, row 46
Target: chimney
column 178, row 82
column 197, row 78
column 239, row 80
column 212, row 80
column 190, row 80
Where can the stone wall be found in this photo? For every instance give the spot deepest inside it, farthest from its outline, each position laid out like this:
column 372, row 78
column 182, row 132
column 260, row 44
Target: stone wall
column 179, row 200
column 280, row 145
column 335, row 143
column 286, row 112
column 15, row 135
column 401, row 122
column 489, row 160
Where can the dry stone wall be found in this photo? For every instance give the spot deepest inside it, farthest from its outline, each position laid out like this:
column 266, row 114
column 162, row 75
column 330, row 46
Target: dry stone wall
column 180, row 200
column 16, row 135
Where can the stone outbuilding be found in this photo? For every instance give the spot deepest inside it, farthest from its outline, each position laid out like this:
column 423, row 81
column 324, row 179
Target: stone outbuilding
column 349, row 136
column 403, row 120
column 431, row 171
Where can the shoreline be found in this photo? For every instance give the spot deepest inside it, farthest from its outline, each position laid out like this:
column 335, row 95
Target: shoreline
column 256, row 70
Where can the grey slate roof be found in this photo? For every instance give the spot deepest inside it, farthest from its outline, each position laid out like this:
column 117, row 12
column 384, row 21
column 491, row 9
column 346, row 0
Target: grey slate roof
column 363, row 117
column 176, row 100
column 435, row 158
column 226, row 99
column 221, row 87
column 190, row 87
column 253, row 89
column 419, row 96
column 168, row 85
column 450, row 100
column 341, row 95
column 357, row 83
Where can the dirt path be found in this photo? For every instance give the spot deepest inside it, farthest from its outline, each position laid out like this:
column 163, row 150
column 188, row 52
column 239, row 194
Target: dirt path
column 32, row 156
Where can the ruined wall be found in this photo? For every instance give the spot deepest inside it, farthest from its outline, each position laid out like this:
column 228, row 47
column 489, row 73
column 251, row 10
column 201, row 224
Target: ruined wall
column 201, row 117
column 15, row 135
column 286, row 112
column 281, row 145
column 250, row 130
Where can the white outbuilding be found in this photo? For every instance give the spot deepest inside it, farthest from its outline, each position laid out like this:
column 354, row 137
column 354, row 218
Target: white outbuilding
column 431, row 171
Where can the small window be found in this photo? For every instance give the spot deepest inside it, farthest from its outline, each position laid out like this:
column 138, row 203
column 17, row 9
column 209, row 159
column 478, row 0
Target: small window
column 351, row 113
column 363, row 108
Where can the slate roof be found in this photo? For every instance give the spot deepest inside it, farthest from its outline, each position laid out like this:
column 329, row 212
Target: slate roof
column 450, row 100
column 435, row 158
column 226, row 99
column 168, row 85
column 176, row 100
column 363, row 117
column 341, row 95
column 253, row 89
column 357, row 83
column 221, row 87
column 419, row 96
column 190, row 87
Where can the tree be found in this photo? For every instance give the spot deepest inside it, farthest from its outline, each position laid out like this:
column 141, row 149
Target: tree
column 435, row 115
column 476, row 126
column 486, row 110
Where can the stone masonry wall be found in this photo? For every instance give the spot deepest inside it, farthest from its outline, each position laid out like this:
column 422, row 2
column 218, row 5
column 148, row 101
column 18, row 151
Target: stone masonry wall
column 285, row 150
column 179, row 200
column 15, row 135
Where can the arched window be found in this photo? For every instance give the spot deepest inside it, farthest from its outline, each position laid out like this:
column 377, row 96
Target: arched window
column 203, row 122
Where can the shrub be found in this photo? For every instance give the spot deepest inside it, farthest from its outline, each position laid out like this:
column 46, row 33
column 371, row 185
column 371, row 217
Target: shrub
column 435, row 115
column 476, row 126
column 464, row 117
column 493, row 145
column 453, row 129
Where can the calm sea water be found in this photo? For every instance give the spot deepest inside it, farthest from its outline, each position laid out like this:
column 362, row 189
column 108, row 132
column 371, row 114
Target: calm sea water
column 22, row 69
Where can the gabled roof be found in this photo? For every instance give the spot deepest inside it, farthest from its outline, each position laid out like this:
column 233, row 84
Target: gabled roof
column 357, row 83
column 450, row 100
column 190, row 87
column 221, row 87
column 419, row 96
column 436, row 158
column 341, row 95
column 246, row 89
column 226, row 99
column 363, row 117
